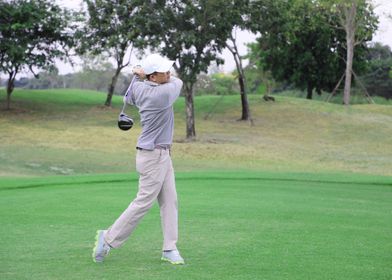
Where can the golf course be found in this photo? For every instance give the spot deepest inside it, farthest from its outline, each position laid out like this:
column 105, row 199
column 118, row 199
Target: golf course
column 304, row 192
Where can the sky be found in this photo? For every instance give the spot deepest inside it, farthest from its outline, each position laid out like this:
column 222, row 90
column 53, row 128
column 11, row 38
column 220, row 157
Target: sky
column 383, row 8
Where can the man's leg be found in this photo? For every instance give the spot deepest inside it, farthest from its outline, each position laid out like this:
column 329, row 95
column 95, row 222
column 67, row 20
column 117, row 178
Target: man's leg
column 151, row 172
column 167, row 200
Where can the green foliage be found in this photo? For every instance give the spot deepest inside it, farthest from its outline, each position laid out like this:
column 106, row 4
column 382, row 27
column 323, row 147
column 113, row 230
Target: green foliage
column 194, row 32
column 224, row 84
column 216, row 84
column 46, row 79
column 378, row 79
column 300, row 43
column 259, row 80
column 32, row 34
column 364, row 20
column 113, row 28
column 96, row 74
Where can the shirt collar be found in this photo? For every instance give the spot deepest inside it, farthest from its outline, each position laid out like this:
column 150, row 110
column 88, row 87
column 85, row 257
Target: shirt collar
column 151, row 83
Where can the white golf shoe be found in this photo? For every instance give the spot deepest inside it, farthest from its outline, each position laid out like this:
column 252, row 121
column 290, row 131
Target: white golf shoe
column 101, row 249
column 172, row 257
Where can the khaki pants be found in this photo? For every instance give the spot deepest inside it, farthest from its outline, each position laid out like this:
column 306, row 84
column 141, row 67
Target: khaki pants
column 156, row 181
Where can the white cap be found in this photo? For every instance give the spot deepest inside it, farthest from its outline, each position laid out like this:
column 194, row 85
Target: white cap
column 156, row 63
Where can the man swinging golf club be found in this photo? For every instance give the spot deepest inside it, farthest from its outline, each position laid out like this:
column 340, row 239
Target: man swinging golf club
column 153, row 93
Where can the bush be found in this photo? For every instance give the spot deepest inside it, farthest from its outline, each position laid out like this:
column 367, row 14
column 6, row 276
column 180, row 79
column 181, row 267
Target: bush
column 216, row 84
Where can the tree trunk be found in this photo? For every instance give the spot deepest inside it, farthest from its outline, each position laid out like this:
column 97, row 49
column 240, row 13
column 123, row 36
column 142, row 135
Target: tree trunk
column 244, row 99
column 10, row 89
column 241, row 79
column 349, row 26
column 190, row 113
column 309, row 94
column 8, row 100
column 349, row 67
column 112, row 86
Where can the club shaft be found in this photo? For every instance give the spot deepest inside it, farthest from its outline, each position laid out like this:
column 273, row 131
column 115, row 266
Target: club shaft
column 127, row 92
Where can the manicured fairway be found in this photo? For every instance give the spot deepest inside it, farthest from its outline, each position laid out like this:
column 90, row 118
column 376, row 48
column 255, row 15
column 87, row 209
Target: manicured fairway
column 232, row 226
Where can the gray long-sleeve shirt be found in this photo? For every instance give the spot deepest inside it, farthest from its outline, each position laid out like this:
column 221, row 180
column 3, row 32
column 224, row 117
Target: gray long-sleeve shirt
column 155, row 104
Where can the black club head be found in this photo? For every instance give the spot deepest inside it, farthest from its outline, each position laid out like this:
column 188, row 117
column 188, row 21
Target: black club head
column 124, row 122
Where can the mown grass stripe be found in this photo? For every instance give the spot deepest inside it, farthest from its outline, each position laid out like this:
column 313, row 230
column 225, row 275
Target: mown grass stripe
column 203, row 178
column 238, row 226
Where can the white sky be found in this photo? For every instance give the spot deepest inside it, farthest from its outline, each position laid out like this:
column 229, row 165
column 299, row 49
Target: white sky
column 383, row 8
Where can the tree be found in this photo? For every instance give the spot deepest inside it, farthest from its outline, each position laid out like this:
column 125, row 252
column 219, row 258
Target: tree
column 115, row 28
column 357, row 19
column 238, row 16
column 49, row 78
column 378, row 78
column 96, row 72
column 194, row 33
column 231, row 45
column 300, row 43
column 259, row 80
column 32, row 34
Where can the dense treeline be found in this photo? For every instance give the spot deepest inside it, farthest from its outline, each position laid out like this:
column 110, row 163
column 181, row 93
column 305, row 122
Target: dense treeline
column 313, row 45
column 377, row 77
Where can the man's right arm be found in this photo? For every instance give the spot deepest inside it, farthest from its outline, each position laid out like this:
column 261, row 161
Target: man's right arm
column 171, row 90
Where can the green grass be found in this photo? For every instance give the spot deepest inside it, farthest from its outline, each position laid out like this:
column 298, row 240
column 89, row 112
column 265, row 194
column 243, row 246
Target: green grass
column 252, row 225
column 304, row 193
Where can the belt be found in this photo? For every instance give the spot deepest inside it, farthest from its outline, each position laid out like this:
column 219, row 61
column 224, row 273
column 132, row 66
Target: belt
column 156, row 147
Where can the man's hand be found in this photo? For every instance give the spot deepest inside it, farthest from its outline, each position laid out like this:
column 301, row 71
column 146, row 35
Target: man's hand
column 138, row 71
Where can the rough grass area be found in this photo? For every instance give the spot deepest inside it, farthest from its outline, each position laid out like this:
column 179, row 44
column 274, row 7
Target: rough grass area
column 70, row 132
column 248, row 225
column 358, row 96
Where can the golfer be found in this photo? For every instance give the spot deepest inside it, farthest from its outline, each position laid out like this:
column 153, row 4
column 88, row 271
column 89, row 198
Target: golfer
column 153, row 93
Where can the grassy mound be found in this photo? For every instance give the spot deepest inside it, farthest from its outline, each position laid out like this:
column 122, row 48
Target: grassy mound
column 70, row 132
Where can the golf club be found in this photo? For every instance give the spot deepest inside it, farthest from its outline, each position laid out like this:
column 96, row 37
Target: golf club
column 124, row 121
